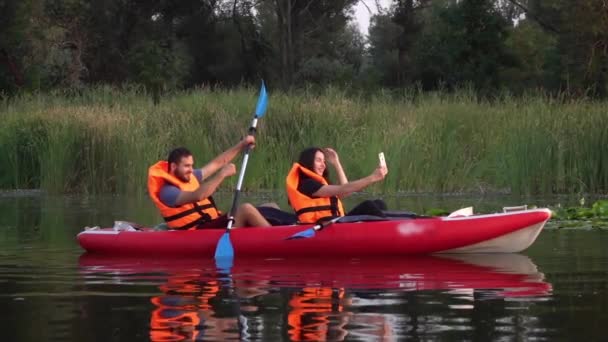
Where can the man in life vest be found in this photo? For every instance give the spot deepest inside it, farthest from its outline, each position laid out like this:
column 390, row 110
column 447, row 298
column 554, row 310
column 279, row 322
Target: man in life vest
column 315, row 200
column 182, row 194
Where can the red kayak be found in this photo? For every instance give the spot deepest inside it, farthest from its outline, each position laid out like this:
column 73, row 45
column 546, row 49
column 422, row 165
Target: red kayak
column 510, row 275
column 493, row 233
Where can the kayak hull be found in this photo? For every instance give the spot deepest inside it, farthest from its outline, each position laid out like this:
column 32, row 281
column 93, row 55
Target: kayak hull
column 494, row 233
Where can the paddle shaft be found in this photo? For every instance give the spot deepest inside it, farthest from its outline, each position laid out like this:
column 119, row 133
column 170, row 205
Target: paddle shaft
column 326, row 223
column 239, row 183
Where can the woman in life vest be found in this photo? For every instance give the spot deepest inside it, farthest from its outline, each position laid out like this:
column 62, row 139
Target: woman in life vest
column 312, row 196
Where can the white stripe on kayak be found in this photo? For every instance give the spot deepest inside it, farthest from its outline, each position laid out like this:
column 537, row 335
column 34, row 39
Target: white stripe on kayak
column 105, row 231
column 495, row 215
column 99, row 232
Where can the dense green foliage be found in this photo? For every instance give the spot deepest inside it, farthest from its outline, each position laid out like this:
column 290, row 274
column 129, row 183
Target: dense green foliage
column 491, row 45
column 103, row 140
column 470, row 95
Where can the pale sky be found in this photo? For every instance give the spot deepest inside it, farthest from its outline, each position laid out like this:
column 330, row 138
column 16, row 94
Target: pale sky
column 362, row 15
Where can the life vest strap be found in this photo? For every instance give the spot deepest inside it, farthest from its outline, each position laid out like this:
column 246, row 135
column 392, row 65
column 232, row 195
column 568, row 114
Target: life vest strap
column 194, row 223
column 313, row 209
column 195, row 209
column 335, row 209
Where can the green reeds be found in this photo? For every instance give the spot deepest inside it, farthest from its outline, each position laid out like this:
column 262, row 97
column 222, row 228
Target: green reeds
column 103, row 140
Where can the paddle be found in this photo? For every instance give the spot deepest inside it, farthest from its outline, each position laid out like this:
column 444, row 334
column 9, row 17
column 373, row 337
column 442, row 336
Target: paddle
column 310, row 232
column 224, row 270
column 224, row 247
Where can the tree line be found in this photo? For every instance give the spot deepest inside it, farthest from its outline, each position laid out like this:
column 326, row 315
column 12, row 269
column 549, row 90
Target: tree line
column 555, row 46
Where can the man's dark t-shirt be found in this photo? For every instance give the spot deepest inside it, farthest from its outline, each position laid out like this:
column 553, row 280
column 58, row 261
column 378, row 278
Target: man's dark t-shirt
column 169, row 192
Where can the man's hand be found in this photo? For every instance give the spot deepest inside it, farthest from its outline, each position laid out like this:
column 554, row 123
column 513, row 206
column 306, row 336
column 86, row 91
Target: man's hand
column 248, row 140
column 228, row 170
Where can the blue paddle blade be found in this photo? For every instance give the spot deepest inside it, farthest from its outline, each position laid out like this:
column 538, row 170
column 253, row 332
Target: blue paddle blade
column 308, row 233
column 224, row 247
column 224, row 265
column 260, row 108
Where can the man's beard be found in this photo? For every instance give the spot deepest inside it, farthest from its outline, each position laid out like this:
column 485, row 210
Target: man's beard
column 182, row 177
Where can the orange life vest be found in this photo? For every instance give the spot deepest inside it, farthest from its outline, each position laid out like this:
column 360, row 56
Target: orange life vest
column 185, row 216
column 178, row 312
column 168, row 323
column 309, row 313
column 309, row 209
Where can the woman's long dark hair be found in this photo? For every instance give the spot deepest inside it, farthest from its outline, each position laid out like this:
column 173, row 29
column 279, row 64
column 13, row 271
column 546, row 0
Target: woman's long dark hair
column 307, row 159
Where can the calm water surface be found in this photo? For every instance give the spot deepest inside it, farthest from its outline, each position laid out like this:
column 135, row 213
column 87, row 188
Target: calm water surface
column 51, row 291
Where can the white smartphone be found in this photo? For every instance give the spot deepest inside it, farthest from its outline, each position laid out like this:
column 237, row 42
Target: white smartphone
column 382, row 160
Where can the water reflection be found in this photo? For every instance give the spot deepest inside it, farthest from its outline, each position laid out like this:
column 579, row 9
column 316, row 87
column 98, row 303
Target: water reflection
column 184, row 311
column 316, row 300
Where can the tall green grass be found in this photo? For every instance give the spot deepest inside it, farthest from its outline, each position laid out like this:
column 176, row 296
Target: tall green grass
column 104, row 139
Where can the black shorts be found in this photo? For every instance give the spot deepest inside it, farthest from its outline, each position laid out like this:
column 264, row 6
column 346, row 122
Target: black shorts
column 275, row 217
column 218, row 222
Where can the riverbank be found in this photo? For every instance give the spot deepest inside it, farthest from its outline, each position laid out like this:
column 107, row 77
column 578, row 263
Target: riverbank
column 104, row 139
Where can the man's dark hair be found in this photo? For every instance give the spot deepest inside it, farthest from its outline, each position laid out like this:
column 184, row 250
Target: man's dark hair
column 176, row 155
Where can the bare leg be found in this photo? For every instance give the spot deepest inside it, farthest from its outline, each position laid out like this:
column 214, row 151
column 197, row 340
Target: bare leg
column 248, row 216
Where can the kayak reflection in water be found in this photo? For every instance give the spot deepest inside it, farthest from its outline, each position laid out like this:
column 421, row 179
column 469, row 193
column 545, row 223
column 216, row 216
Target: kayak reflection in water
column 317, row 299
column 315, row 199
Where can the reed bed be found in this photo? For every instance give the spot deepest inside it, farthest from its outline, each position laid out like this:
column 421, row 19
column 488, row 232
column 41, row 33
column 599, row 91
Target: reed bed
column 104, row 139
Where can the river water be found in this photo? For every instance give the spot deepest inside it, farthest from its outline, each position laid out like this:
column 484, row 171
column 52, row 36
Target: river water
column 50, row 290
